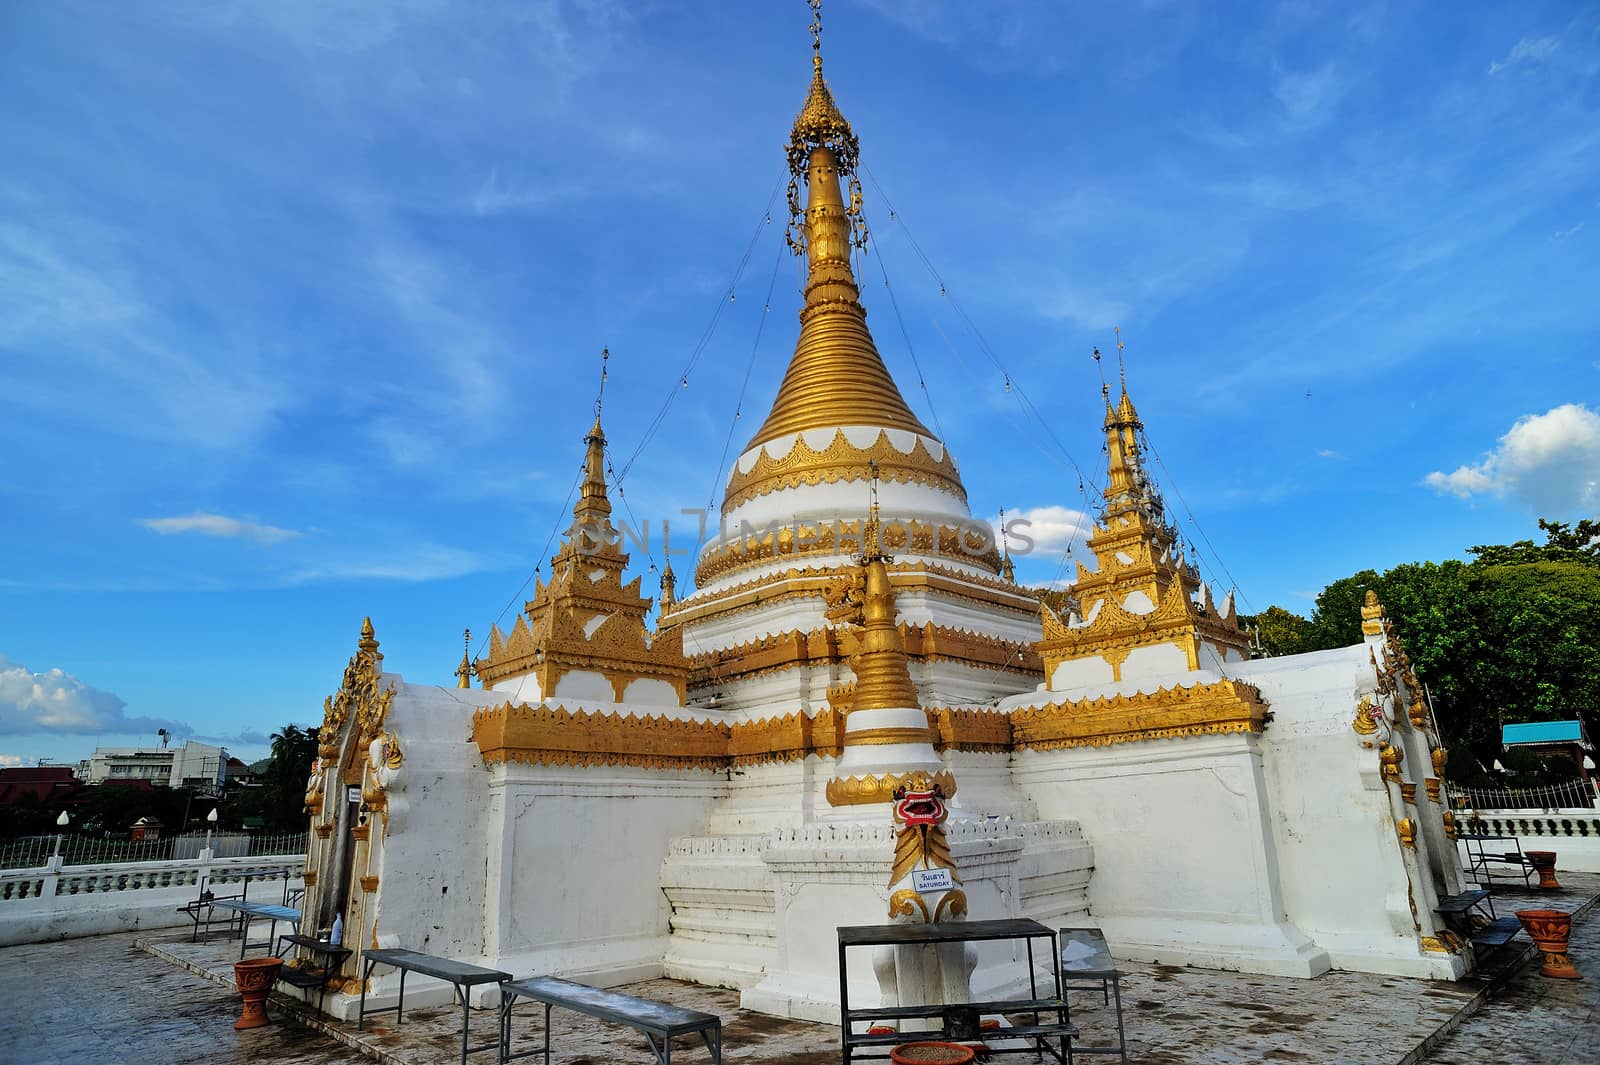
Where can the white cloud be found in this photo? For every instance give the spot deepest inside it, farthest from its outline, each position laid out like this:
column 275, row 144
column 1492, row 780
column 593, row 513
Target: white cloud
column 219, row 525
column 1329, row 453
column 1550, row 461
column 10, row 759
column 1563, row 234
column 1529, row 49
column 54, row 701
column 1046, row 530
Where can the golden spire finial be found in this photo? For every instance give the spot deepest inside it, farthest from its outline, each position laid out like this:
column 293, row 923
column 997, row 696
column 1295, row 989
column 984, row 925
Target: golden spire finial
column 669, row 586
column 1122, row 369
column 594, row 505
column 369, row 637
column 600, row 396
column 1007, row 569
column 464, row 670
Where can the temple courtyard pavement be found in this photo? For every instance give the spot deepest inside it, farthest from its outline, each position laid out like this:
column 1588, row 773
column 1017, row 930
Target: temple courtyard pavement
column 144, row 997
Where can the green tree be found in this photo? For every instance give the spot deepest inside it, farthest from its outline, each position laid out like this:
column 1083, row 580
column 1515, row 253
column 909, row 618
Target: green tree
column 284, row 781
column 1281, row 631
column 1337, row 620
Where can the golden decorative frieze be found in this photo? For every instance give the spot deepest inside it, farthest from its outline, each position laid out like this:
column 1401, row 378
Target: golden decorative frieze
column 842, row 460
column 1408, row 794
column 785, row 739
column 1444, row 943
column 1431, row 787
column 1449, row 819
column 832, row 539
column 309, row 878
column 797, row 583
column 1227, row 706
column 1440, row 757
column 369, row 884
column 541, row 735
column 827, row 647
column 324, row 829
column 970, row 730
column 856, row 791
column 361, row 831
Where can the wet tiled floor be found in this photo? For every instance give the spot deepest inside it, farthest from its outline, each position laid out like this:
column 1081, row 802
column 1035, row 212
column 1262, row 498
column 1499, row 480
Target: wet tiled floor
column 103, row 999
column 1535, row 1020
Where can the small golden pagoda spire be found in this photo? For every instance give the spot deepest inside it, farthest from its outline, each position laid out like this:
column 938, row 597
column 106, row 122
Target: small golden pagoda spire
column 669, row 586
column 464, row 670
column 883, row 672
column 594, row 505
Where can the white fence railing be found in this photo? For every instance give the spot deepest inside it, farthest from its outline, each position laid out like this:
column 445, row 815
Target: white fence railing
column 52, row 881
column 1569, row 795
column 34, row 852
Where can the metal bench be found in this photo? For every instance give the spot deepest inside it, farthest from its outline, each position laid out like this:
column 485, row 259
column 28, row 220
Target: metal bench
column 1086, row 965
column 252, row 911
column 459, row 975
column 658, row 1022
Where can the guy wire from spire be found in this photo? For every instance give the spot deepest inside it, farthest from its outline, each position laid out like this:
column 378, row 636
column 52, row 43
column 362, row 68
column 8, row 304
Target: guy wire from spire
column 681, row 381
column 905, row 334
column 543, row 553
column 983, row 344
column 738, row 407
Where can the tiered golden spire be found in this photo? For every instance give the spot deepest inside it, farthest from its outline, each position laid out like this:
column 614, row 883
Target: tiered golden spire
column 1143, row 591
column 585, row 617
column 883, row 672
column 836, row 376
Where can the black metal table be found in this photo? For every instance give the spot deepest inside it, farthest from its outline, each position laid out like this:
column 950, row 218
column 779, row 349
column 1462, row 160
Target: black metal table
column 960, row 1020
column 317, row 976
column 658, row 1022
column 458, row 974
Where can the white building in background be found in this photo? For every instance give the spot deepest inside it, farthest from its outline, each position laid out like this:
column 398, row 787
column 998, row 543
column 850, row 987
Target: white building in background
column 193, row 765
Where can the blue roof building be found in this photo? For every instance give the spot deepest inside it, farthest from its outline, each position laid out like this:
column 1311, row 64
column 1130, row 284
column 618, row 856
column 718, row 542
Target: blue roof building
column 1536, row 733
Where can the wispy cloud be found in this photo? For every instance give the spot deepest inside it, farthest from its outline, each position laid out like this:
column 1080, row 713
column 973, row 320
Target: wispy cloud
column 55, row 701
column 1309, row 97
column 427, row 562
column 1329, row 453
column 1563, row 234
column 219, row 525
column 1550, row 462
column 1527, row 50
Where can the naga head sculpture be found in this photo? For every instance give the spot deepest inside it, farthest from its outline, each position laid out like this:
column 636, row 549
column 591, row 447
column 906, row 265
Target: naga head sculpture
column 919, row 801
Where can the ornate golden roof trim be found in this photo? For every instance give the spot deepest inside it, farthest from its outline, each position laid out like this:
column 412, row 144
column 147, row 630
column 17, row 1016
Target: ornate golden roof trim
column 786, row 739
column 829, row 646
column 843, row 461
column 360, row 693
column 809, row 582
column 542, row 735
column 844, row 538
column 1227, row 706
column 856, row 791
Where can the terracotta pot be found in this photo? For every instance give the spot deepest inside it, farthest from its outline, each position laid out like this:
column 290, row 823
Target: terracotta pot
column 1544, row 863
column 931, row 1054
column 255, row 977
column 1550, row 930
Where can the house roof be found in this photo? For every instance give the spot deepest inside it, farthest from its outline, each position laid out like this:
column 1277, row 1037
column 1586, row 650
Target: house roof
column 1543, row 732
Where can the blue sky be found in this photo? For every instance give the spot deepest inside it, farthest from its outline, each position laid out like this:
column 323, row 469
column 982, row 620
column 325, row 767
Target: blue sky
column 301, row 302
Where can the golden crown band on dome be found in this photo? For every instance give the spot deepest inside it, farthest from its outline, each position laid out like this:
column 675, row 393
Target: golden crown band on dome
column 842, row 460
column 966, row 544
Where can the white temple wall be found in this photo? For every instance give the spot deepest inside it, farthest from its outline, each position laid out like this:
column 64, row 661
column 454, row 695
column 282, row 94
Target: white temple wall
column 842, row 500
column 431, row 878
column 580, row 854
column 645, row 692
column 1344, row 872
column 1080, row 673
column 521, row 689
column 1161, row 661
column 1186, row 865
column 584, row 684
